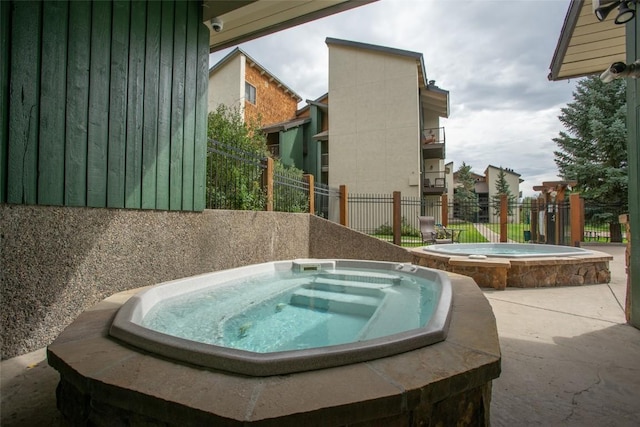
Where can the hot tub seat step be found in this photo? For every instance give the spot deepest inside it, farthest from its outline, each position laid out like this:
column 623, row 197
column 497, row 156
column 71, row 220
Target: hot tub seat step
column 363, row 305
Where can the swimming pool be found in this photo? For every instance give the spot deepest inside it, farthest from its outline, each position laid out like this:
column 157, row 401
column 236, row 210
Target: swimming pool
column 290, row 316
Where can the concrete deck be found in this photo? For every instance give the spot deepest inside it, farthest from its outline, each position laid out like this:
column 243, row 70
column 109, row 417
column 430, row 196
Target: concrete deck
column 568, row 359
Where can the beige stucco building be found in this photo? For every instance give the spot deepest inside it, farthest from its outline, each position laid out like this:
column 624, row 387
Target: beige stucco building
column 382, row 108
column 384, row 132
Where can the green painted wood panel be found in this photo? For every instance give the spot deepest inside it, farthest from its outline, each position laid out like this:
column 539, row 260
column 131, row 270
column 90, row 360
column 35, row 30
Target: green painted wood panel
column 24, row 103
column 202, row 91
column 98, row 131
column 165, row 79
column 53, row 86
column 77, row 109
column 633, row 152
column 5, row 61
column 188, row 148
column 117, row 117
column 150, row 134
column 177, row 106
column 135, row 105
column 118, row 104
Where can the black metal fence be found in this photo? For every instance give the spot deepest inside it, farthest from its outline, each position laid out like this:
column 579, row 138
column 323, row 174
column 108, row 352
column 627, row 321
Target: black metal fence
column 238, row 179
column 480, row 221
column 290, row 192
column 234, row 178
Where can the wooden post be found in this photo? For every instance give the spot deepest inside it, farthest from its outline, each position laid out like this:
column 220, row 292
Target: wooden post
column 312, row 199
column 268, row 183
column 504, row 208
column 559, row 214
column 343, row 205
column 397, row 219
column 576, row 219
column 445, row 210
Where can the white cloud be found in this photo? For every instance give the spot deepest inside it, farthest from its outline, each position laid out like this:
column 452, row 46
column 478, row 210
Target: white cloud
column 492, row 56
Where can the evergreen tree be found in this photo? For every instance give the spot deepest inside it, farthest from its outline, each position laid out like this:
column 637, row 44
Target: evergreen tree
column 502, row 187
column 465, row 197
column 593, row 150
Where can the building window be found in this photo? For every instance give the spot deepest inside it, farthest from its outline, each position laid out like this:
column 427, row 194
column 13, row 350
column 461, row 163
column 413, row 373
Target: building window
column 250, row 92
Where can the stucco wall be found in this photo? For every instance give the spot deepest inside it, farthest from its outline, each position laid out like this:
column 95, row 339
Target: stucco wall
column 375, row 122
column 56, row 262
column 226, row 84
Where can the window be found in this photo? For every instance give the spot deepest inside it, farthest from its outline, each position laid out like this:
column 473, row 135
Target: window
column 250, row 92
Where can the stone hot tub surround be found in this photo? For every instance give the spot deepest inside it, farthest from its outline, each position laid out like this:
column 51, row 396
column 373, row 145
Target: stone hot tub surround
column 447, row 383
column 591, row 267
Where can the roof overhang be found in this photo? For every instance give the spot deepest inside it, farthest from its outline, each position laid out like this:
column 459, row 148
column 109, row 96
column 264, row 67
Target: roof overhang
column 248, row 19
column 435, row 99
column 285, row 126
column 587, row 46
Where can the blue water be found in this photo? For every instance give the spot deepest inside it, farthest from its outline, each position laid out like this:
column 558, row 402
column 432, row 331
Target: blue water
column 299, row 310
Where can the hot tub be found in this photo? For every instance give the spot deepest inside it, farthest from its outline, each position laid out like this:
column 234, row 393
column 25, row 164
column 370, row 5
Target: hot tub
column 289, row 316
column 498, row 265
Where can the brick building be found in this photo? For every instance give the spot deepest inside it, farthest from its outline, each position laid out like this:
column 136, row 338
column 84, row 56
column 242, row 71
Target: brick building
column 237, row 80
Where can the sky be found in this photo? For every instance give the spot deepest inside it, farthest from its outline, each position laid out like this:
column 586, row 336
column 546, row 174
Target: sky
column 492, row 56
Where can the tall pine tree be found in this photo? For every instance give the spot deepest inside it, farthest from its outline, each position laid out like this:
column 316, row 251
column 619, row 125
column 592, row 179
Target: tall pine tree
column 593, row 150
column 465, row 198
column 502, row 187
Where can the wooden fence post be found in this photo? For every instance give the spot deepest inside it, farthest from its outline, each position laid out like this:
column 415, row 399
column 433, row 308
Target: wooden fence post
column 343, row 205
column 445, row 210
column 312, row 199
column 397, row 219
column 504, row 209
column 268, row 183
column 576, row 219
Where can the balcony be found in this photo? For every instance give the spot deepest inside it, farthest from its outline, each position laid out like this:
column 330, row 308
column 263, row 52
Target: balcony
column 433, row 143
column 433, row 183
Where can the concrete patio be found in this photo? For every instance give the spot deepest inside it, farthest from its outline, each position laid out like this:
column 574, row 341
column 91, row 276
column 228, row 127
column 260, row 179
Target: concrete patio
column 569, row 359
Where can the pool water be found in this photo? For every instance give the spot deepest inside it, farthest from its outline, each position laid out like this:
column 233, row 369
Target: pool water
column 507, row 250
column 293, row 310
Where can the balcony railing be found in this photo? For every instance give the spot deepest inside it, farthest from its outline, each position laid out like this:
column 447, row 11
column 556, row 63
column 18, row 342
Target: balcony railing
column 432, row 142
column 434, row 183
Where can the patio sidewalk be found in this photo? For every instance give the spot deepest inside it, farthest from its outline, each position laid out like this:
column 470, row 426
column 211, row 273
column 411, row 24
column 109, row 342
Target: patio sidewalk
column 569, row 359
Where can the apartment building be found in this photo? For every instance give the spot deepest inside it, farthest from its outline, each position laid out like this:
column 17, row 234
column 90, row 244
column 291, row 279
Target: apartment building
column 239, row 81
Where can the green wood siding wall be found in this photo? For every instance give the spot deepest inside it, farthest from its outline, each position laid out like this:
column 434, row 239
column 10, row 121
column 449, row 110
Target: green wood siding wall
column 633, row 129
column 291, row 147
column 103, row 103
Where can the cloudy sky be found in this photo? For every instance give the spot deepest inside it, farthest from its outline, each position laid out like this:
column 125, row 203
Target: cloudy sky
column 492, row 56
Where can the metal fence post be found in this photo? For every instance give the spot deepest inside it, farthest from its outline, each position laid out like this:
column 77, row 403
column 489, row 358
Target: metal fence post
column 268, row 183
column 397, row 219
column 504, row 211
column 312, row 198
column 343, row 205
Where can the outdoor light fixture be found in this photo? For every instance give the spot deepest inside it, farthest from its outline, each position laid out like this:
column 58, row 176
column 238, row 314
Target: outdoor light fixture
column 625, row 13
column 618, row 70
column 602, row 8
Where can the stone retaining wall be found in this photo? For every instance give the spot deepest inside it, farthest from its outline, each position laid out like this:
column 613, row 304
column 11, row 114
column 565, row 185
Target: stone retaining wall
column 55, row 262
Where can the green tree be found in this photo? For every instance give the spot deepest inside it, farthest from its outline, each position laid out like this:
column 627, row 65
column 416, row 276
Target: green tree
column 593, row 150
column 235, row 165
column 502, row 187
column 465, row 198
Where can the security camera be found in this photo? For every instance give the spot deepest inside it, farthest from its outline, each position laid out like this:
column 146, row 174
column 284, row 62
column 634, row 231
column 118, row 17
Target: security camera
column 217, row 24
column 618, row 70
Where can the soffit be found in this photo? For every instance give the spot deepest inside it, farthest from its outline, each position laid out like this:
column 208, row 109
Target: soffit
column 246, row 20
column 435, row 99
column 586, row 46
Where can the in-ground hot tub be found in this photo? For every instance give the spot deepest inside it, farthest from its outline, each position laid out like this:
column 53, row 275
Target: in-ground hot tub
column 105, row 381
column 290, row 316
column 498, row 265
